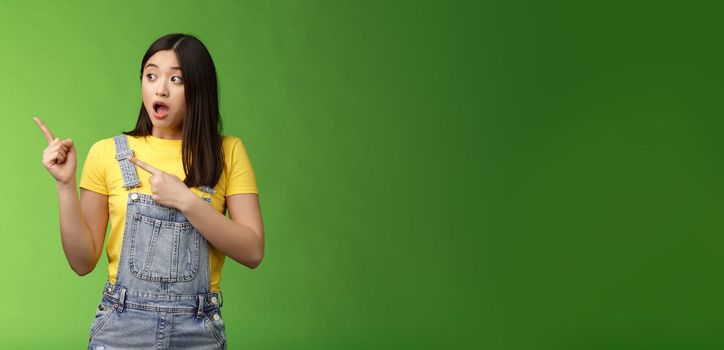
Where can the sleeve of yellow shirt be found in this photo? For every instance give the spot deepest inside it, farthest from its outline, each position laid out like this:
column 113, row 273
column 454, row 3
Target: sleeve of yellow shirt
column 93, row 176
column 241, row 173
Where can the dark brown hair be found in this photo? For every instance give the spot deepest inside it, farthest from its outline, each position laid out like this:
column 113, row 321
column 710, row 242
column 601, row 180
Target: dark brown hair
column 201, row 150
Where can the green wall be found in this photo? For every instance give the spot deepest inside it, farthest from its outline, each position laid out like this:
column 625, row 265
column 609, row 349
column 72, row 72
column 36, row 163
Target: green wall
column 432, row 175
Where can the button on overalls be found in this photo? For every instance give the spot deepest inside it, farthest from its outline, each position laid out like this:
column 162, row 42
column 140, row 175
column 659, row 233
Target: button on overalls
column 161, row 298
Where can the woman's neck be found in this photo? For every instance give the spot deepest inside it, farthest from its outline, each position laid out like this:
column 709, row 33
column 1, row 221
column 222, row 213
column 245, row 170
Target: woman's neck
column 167, row 134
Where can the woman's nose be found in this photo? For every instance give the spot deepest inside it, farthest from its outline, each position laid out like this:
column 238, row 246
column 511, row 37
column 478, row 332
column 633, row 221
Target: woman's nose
column 161, row 90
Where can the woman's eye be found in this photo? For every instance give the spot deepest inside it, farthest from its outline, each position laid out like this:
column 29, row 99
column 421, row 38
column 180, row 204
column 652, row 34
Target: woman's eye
column 178, row 79
column 151, row 76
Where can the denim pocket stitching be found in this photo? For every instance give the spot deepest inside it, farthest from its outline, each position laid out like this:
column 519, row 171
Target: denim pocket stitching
column 100, row 321
column 178, row 229
column 215, row 330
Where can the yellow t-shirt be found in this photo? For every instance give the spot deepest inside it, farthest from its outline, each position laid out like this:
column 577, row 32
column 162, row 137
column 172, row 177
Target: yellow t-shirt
column 102, row 174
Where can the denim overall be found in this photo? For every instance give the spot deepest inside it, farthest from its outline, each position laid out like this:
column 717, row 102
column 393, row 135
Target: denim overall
column 161, row 298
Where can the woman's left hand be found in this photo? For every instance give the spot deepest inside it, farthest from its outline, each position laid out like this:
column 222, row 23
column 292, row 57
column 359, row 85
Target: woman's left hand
column 166, row 189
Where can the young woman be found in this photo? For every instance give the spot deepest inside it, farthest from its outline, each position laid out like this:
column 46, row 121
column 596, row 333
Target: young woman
column 168, row 236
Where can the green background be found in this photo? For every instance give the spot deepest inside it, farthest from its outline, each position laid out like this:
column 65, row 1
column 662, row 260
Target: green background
column 432, row 175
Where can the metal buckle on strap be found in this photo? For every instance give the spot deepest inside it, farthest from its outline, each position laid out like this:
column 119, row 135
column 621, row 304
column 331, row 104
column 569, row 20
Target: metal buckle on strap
column 207, row 192
column 207, row 189
column 124, row 154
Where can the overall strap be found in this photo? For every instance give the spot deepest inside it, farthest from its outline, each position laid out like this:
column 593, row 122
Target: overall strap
column 207, row 189
column 128, row 170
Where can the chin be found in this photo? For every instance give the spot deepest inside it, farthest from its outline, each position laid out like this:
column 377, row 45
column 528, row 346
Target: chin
column 164, row 124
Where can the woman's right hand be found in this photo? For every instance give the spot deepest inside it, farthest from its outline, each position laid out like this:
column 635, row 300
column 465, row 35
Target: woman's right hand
column 59, row 157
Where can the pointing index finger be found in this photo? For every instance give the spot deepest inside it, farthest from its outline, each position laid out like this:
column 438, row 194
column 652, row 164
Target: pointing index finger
column 48, row 135
column 144, row 165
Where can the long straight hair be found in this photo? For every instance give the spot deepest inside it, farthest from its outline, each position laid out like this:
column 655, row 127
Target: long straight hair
column 201, row 149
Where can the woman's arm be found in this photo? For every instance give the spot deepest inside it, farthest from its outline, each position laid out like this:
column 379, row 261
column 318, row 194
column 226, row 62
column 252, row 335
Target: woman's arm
column 82, row 226
column 82, row 223
column 240, row 237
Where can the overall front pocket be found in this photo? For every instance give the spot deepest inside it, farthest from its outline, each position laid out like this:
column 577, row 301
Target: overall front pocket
column 104, row 311
column 164, row 251
column 215, row 323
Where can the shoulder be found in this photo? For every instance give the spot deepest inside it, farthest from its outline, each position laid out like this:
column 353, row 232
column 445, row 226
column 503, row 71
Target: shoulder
column 234, row 150
column 230, row 141
column 103, row 146
column 99, row 155
column 232, row 146
column 104, row 141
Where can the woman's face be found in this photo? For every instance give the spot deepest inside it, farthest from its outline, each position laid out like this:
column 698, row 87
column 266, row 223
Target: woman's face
column 162, row 90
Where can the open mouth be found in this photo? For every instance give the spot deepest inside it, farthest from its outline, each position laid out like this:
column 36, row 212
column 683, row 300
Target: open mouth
column 160, row 109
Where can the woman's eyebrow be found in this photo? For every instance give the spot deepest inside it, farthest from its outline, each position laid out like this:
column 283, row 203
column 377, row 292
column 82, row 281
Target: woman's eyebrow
column 153, row 65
